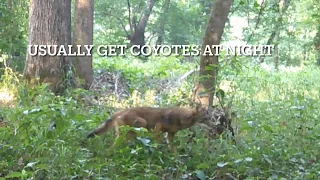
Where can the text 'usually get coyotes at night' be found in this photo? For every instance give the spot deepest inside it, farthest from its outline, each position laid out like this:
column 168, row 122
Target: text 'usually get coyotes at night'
column 147, row 50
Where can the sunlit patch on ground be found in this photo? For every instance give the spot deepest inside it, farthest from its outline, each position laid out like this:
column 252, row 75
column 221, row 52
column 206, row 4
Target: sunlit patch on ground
column 6, row 97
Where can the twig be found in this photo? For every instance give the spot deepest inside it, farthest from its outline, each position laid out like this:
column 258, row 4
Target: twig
column 152, row 35
column 258, row 20
column 188, row 74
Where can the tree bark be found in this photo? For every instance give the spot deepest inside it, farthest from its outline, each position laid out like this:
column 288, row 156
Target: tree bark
column 305, row 48
column 258, row 20
column 318, row 60
column 317, row 45
column 276, row 57
column 208, row 64
column 83, row 35
column 49, row 24
column 137, row 37
column 162, row 22
column 283, row 6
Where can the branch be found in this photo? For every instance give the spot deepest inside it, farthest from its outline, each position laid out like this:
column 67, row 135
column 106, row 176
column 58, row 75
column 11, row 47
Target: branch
column 129, row 10
column 120, row 21
column 152, row 35
column 187, row 74
column 139, row 7
column 145, row 16
column 278, row 25
column 258, row 20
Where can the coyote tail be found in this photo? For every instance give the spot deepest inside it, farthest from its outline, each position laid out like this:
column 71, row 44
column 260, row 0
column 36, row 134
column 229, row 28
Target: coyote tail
column 104, row 127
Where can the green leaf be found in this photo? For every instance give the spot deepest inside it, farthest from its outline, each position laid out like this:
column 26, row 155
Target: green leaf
column 248, row 159
column 267, row 159
column 297, row 107
column 210, row 67
column 220, row 93
column 121, row 178
column 31, row 164
column 267, row 128
column 238, row 161
column 14, row 175
column 222, row 164
column 144, row 141
column 43, row 166
column 203, row 166
column 200, row 175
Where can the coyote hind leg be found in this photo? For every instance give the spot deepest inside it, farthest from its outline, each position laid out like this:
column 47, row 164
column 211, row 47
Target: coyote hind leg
column 157, row 131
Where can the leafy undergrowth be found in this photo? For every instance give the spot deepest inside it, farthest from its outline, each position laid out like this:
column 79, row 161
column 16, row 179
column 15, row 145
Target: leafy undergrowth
column 277, row 137
column 144, row 75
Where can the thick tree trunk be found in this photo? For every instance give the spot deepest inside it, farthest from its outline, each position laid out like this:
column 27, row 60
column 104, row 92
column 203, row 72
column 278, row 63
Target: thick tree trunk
column 83, row 35
column 165, row 9
column 137, row 38
column 208, row 66
column 49, row 24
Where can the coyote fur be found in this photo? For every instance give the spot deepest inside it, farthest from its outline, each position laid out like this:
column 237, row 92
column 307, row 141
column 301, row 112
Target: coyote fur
column 169, row 120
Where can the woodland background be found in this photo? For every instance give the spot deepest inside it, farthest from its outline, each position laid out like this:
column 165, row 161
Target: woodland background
column 48, row 105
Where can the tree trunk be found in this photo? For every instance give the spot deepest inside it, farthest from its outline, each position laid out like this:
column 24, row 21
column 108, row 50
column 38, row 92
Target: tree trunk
column 208, row 66
column 49, row 24
column 317, row 45
column 283, row 6
column 137, row 38
column 262, row 5
column 162, row 22
column 276, row 51
column 305, row 48
column 276, row 57
column 318, row 60
column 83, row 35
